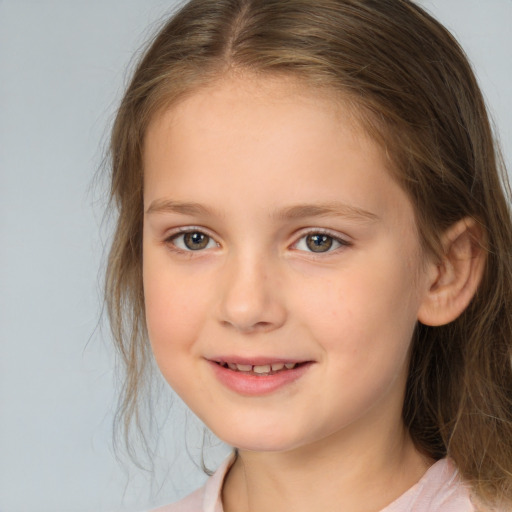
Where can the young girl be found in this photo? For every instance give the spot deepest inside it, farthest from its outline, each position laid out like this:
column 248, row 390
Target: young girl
column 314, row 241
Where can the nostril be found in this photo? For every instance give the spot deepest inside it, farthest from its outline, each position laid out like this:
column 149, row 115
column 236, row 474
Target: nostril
column 249, row 307
column 249, row 328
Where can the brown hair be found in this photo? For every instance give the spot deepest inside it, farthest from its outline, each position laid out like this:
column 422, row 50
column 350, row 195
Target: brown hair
column 416, row 94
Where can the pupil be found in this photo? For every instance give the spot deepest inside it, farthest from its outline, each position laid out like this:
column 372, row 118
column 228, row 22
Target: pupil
column 319, row 243
column 196, row 241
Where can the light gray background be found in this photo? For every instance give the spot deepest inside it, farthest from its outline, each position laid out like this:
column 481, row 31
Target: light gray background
column 62, row 68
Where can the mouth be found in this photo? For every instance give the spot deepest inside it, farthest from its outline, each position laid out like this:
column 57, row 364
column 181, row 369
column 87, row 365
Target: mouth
column 258, row 376
column 260, row 370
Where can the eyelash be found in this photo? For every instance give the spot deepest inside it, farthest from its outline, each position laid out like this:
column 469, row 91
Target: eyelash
column 335, row 239
column 171, row 241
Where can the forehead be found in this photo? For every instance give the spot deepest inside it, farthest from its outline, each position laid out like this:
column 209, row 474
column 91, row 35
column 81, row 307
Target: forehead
column 245, row 95
column 277, row 139
column 277, row 109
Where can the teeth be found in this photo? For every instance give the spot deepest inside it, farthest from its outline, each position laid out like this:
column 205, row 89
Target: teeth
column 265, row 368
column 259, row 369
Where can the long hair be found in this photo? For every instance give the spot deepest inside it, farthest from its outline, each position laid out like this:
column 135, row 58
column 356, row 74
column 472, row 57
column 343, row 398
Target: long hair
column 415, row 93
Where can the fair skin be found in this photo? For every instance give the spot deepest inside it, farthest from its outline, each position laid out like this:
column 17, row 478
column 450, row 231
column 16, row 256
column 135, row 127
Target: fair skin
column 273, row 233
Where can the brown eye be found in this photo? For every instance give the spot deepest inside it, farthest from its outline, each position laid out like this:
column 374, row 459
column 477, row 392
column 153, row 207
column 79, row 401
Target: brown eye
column 188, row 241
column 195, row 241
column 319, row 242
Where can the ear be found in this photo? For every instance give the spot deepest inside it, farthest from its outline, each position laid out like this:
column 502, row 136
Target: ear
column 454, row 279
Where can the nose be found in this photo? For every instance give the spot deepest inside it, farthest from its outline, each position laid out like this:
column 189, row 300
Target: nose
column 251, row 298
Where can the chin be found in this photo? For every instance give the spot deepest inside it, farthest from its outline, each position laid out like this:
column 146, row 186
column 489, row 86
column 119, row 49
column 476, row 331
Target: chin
column 260, row 440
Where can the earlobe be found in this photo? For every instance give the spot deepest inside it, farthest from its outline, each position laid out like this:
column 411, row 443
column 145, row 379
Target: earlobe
column 456, row 277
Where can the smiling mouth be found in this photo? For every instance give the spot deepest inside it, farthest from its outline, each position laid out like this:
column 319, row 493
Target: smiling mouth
column 260, row 370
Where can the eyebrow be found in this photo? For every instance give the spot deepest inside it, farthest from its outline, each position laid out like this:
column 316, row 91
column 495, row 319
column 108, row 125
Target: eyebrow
column 185, row 208
column 295, row 212
column 331, row 209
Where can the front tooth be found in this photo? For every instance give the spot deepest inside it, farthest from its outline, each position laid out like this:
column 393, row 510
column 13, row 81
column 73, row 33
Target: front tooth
column 265, row 368
column 244, row 367
column 290, row 365
column 277, row 366
column 232, row 366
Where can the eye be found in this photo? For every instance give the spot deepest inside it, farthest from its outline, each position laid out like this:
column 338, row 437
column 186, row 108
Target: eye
column 319, row 243
column 192, row 241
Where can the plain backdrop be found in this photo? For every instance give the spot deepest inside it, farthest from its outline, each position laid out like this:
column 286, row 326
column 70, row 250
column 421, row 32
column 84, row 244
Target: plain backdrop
column 63, row 64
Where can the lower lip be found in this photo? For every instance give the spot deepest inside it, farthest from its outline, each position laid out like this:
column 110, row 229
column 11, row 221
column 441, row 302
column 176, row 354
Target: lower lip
column 254, row 385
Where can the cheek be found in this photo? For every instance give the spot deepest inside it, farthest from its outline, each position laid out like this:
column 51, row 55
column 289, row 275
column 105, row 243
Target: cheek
column 367, row 312
column 173, row 313
column 173, row 308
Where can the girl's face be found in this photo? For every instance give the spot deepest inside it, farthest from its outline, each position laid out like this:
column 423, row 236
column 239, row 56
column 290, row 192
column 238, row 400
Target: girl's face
column 274, row 236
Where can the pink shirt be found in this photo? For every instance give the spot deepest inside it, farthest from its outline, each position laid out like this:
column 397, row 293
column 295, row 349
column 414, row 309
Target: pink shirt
column 439, row 490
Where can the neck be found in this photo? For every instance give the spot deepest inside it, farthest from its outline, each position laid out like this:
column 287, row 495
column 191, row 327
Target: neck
column 334, row 473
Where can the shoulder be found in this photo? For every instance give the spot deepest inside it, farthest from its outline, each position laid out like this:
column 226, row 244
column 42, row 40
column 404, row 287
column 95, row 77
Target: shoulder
column 440, row 490
column 192, row 503
column 205, row 499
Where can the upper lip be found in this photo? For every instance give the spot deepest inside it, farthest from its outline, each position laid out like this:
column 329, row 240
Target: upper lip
column 255, row 361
